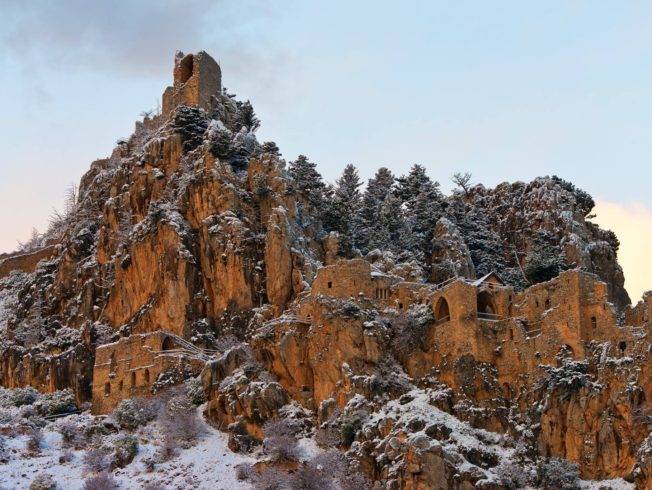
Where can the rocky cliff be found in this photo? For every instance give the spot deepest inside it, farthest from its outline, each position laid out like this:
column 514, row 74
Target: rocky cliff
column 429, row 374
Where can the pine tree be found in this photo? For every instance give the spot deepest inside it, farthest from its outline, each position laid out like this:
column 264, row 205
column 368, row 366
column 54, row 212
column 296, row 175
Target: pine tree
column 422, row 201
column 343, row 209
column 373, row 233
column 307, row 183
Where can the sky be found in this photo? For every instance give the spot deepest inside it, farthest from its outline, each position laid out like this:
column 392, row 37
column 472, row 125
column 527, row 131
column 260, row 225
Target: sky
column 506, row 90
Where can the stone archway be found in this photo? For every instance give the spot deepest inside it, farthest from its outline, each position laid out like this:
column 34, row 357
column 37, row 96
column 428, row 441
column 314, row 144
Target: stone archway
column 486, row 303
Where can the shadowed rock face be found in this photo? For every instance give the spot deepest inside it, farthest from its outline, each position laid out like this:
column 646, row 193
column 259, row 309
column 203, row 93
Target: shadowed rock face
column 192, row 227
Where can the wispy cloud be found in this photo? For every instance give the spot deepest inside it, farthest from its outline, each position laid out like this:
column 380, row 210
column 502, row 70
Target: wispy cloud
column 134, row 37
column 633, row 224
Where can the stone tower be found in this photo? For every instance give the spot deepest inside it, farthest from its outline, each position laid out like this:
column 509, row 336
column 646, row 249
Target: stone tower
column 197, row 77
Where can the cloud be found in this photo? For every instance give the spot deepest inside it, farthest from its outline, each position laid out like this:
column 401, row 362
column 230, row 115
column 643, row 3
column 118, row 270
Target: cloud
column 133, row 37
column 632, row 223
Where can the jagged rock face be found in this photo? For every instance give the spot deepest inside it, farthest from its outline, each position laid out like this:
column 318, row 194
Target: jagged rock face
column 450, row 255
column 522, row 214
column 598, row 416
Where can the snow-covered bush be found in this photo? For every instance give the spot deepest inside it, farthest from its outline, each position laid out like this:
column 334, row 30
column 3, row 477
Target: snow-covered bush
column 23, row 396
column 70, row 433
column 179, row 417
column 512, row 475
column 280, row 440
column 558, row 474
column 96, row 459
column 125, row 450
column 570, row 377
column 43, row 481
column 34, row 440
column 167, row 450
column 102, row 481
column 134, row 412
column 195, row 390
column 62, row 401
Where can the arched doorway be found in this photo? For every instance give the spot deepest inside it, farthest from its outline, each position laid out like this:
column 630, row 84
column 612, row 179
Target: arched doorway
column 486, row 303
column 442, row 312
column 168, row 344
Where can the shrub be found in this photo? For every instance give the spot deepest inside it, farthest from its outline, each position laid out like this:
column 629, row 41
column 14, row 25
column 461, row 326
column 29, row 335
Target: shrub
column 154, row 485
column 410, row 329
column 103, row 481
column 4, row 452
column 347, row 433
column 244, row 471
column 96, row 459
column 133, row 413
column 62, row 401
column 327, row 437
column 310, row 477
column 34, row 440
column 24, row 396
column 66, row 456
column 43, row 482
column 558, row 474
column 125, row 450
column 167, row 450
column 512, row 475
column 269, row 479
column 280, row 440
column 195, row 390
column 179, row 417
column 70, row 433
column 190, row 122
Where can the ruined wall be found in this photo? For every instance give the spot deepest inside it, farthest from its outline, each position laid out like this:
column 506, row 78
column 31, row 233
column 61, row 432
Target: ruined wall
column 639, row 315
column 129, row 367
column 352, row 279
column 25, row 262
column 197, row 77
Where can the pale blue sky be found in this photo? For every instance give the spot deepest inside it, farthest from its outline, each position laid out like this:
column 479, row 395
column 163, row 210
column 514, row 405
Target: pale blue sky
column 505, row 90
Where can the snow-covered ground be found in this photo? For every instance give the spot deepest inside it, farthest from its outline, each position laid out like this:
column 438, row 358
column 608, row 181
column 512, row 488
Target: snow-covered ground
column 210, row 464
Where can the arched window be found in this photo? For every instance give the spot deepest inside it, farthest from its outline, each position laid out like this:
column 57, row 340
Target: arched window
column 133, row 378
column 442, row 312
column 146, row 376
column 594, row 322
column 121, row 385
column 107, row 389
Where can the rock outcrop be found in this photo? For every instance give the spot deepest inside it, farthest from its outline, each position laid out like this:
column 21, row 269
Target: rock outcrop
column 192, row 249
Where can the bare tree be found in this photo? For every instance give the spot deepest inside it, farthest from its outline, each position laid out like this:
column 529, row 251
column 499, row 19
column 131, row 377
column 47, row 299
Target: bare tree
column 462, row 180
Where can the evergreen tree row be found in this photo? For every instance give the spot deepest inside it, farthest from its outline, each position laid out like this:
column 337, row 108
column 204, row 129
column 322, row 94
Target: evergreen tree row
column 395, row 214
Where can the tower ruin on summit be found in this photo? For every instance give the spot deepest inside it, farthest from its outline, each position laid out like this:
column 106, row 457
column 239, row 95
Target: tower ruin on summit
column 197, row 77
